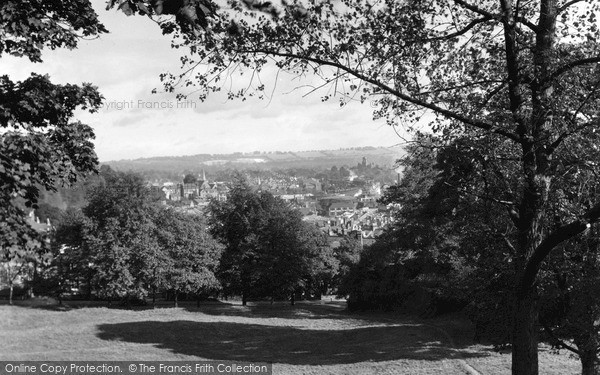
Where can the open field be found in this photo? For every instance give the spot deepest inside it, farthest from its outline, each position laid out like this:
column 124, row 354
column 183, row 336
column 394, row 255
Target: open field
column 309, row 338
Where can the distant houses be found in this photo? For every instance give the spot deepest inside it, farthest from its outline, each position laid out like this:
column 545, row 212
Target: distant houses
column 199, row 192
column 353, row 210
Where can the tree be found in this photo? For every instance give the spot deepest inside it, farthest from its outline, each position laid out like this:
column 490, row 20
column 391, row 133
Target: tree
column 568, row 314
column 497, row 69
column 127, row 246
column 231, row 223
column 191, row 254
column 122, row 234
column 40, row 146
column 190, row 179
column 269, row 251
column 73, row 233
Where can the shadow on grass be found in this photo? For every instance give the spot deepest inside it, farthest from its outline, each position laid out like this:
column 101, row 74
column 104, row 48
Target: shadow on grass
column 301, row 310
column 264, row 343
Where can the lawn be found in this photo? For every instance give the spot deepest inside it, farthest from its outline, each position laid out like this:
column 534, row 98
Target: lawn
column 309, row 338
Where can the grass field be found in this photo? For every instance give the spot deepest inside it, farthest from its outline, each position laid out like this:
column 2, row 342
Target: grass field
column 309, row 338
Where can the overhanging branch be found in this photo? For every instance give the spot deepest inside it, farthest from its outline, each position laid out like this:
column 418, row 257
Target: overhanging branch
column 554, row 239
column 568, row 4
column 421, row 103
column 463, row 31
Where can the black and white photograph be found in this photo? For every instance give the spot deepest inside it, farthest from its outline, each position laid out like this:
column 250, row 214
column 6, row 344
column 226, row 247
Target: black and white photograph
column 302, row 187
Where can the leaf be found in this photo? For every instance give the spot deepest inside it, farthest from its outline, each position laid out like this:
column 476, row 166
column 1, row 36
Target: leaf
column 126, row 7
column 143, row 8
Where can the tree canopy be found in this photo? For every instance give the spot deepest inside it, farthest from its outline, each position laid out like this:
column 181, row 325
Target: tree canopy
column 133, row 246
column 41, row 146
column 269, row 250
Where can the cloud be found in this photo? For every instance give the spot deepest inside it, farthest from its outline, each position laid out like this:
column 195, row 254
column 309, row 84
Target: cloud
column 126, row 65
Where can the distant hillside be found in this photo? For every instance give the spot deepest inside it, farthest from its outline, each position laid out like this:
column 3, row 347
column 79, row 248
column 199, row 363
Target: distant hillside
column 321, row 159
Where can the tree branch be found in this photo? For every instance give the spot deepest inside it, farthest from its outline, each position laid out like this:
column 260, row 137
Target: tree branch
column 573, row 64
column 515, row 94
column 476, row 9
column 471, row 25
column 565, row 135
column 486, row 14
column 556, row 341
column 558, row 236
column 568, row 4
column 442, row 111
column 484, row 197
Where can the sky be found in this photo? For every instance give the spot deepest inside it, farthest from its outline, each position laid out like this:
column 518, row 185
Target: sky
column 134, row 123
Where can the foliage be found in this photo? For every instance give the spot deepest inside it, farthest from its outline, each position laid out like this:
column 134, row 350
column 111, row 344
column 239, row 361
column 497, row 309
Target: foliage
column 269, row 250
column 40, row 146
column 190, row 179
column 124, row 245
column 191, row 253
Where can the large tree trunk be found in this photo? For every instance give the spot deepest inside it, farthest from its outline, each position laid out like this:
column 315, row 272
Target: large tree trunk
column 525, row 307
column 10, row 293
column 525, row 334
column 589, row 365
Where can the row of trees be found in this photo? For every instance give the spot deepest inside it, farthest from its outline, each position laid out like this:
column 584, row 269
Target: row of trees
column 124, row 245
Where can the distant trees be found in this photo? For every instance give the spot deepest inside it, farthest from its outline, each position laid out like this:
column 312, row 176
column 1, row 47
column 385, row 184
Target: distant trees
column 269, row 250
column 190, row 179
column 123, row 245
column 126, row 246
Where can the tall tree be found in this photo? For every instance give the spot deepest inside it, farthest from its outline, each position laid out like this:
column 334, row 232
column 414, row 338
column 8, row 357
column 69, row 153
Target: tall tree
column 192, row 254
column 232, row 224
column 122, row 234
column 40, row 145
column 269, row 251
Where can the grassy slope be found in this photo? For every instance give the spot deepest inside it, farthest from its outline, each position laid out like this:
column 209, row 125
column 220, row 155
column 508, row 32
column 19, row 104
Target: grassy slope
column 309, row 338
